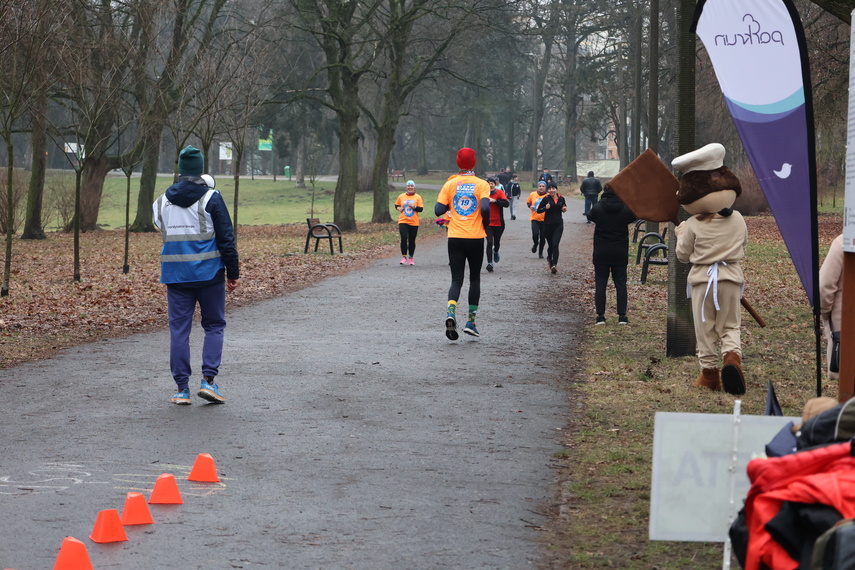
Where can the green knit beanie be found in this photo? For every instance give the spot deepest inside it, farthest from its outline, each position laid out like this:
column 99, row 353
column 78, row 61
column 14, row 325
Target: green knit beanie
column 190, row 162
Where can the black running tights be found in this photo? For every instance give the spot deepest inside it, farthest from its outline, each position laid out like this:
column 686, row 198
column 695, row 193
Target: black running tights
column 461, row 251
column 408, row 238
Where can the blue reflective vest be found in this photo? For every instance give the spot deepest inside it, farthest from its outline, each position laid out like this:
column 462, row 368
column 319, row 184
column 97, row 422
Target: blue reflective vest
column 189, row 250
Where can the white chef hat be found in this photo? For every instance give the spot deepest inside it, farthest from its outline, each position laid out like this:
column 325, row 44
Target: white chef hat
column 708, row 157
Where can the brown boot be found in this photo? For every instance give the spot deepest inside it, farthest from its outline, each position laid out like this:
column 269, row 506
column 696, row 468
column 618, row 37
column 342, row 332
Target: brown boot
column 709, row 379
column 731, row 374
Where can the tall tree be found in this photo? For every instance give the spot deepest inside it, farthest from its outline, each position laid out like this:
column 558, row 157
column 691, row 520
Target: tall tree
column 343, row 31
column 680, row 338
column 184, row 28
column 23, row 44
column 414, row 41
column 41, row 67
column 544, row 20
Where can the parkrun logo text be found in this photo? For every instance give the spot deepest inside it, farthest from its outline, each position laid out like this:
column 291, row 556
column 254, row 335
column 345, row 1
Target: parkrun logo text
column 752, row 35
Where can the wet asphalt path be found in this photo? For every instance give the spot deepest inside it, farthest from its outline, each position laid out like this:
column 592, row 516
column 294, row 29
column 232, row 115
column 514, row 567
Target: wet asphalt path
column 355, row 435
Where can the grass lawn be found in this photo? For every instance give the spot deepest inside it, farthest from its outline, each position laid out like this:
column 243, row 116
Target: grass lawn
column 263, row 201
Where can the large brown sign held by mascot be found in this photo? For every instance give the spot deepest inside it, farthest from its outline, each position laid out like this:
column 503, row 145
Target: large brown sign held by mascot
column 648, row 188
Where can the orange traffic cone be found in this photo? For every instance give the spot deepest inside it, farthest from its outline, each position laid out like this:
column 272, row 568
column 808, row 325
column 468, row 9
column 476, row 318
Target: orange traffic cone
column 136, row 510
column 166, row 491
column 204, row 469
column 72, row 556
column 108, row 527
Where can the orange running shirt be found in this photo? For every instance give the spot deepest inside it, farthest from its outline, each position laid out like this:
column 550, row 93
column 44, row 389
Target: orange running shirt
column 462, row 194
column 408, row 215
column 534, row 200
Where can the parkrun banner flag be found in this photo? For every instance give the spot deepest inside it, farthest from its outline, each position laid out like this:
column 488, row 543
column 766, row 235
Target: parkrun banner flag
column 758, row 51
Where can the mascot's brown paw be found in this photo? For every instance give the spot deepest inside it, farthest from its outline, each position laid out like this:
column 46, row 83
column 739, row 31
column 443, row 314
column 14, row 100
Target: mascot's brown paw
column 731, row 374
column 709, row 379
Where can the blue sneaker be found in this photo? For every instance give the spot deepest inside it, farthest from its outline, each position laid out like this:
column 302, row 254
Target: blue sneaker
column 210, row 392
column 181, row 397
column 495, row 256
column 470, row 329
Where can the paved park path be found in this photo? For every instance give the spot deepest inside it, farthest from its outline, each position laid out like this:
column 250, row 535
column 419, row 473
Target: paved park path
column 355, row 435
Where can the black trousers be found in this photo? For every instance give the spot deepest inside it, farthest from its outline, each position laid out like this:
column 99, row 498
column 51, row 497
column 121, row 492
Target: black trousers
column 460, row 252
column 553, row 238
column 494, row 240
column 601, row 279
column 538, row 236
column 408, row 238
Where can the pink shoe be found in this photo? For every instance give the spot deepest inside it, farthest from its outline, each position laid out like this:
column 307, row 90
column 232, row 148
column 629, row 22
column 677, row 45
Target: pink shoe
column 404, row 260
column 412, row 262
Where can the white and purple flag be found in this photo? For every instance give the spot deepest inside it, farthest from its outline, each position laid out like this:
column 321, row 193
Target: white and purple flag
column 757, row 49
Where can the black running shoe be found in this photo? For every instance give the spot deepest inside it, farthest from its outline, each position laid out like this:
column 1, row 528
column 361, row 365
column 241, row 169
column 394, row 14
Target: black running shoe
column 451, row 329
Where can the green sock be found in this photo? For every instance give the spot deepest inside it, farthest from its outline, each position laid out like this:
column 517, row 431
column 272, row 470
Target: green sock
column 473, row 309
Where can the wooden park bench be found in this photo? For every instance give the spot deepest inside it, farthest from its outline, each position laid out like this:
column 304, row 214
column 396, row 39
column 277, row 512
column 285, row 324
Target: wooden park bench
column 321, row 231
column 396, row 174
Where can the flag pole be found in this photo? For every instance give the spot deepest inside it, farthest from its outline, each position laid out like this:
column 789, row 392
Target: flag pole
column 846, row 378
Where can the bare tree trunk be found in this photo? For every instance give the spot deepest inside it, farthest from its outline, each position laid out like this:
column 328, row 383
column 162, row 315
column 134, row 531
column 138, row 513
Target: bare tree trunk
column 299, row 165
column 423, row 169
column 368, row 148
column 380, row 179
column 511, row 124
column 653, row 90
column 637, row 62
column 571, row 117
column 680, row 336
column 653, row 82
column 621, row 139
column 33, row 226
column 237, row 157
column 345, row 190
column 144, row 221
column 536, row 121
column 91, row 190
column 10, row 217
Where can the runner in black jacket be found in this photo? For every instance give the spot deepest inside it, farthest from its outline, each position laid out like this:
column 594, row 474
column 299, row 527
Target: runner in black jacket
column 553, row 205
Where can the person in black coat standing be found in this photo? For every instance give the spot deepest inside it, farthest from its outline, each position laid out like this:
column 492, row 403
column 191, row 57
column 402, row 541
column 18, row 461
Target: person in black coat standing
column 611, row 250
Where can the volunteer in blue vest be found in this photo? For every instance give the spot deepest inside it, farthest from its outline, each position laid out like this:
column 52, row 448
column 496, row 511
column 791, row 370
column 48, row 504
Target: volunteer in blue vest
column 198, row 264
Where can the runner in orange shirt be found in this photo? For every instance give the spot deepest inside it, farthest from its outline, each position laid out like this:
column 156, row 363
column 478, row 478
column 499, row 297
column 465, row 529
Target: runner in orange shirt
column 538, row 236
column 466, row 198
column 409, row 204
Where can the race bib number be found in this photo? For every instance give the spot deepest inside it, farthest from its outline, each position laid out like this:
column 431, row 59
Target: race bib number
column 465, row 202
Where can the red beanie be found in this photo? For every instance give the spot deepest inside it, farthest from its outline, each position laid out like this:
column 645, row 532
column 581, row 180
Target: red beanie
column 466, row 158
